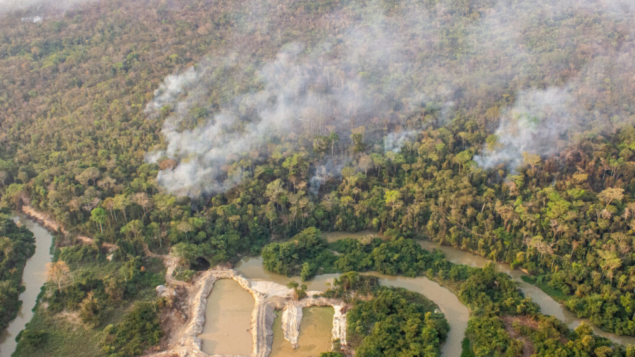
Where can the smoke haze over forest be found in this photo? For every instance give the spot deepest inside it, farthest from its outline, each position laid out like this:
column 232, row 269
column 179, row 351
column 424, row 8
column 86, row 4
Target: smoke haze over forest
column 206, row 132
column 13, row 5
column 380, row 67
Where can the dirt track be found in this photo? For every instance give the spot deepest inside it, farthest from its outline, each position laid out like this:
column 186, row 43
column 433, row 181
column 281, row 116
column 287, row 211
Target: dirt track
column 47, row 222
column 269, row 296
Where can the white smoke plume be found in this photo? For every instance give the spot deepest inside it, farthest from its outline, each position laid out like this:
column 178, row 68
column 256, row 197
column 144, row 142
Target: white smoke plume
column 534, row 125
column 377, row 68
column 544, row 121
column 395, row 141
column 7, row 6
column 341, row 84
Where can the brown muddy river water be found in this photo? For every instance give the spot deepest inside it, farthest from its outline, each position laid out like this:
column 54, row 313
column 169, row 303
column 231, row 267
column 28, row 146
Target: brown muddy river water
column 227, row 320
column 33, row 278
column 548, row 305
column 251, row 267
column 315, row 334
column 455, row 312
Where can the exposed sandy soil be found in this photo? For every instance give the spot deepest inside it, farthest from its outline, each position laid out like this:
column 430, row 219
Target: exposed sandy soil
column 184, row 321
column 191, row 298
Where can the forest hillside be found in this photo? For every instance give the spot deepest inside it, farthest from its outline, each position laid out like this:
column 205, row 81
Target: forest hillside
column 214, row 129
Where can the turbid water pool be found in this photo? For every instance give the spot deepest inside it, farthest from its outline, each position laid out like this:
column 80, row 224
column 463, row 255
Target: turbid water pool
column 455, row 312
column 315, row 334
column 228, row 320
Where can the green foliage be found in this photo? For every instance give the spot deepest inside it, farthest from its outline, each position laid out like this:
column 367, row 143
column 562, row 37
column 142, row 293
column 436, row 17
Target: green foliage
column 466, row 348
column 301, row 254
column 139, row 330
column 489, row 338
column 32, row 340
column 396, row 257
column 396, row 322
column 488, row 292
column 352, row 282
column 113, row 284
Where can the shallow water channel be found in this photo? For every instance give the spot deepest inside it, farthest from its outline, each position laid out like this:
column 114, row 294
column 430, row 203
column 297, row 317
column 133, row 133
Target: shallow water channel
column 227, row 320
column 33, row 278
column 548, row 305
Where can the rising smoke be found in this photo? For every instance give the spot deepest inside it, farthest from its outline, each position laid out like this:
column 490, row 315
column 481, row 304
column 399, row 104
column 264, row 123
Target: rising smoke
column 7, row 6
column 337, row 85
column 545, row 121
column 378, row 68
column 534, row 125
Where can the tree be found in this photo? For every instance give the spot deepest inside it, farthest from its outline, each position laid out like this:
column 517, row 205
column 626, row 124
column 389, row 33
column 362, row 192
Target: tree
column 392, row 198
column 143, row 201
column 89, row 310
column 365, row 162
column 121, row 202
column 3, row 177
column 98, row 215
column 89, row 174
column 135, row 227
column 333, row 139
column 463, row 158
column 611, row 194
column 275, row 192
column 58, row 273
column 610, row 262
column 114, row 288
column 184, row 227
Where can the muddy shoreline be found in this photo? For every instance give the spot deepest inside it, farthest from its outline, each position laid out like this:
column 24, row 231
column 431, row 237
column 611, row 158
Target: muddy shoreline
column 268, row 297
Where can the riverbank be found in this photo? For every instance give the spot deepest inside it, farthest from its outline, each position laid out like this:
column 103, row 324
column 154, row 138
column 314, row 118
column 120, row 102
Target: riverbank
column 549, row 301
column 455, row 312
column 51, row 225
column 23, row 267
column 268, row 297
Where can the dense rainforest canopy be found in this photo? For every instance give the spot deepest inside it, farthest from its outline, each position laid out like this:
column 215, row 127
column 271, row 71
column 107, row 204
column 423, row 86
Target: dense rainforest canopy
column 217, row 129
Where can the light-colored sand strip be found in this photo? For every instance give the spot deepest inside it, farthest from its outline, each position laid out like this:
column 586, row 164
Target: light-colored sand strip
column 47, row 222
column 292, row 318
column 268, row 297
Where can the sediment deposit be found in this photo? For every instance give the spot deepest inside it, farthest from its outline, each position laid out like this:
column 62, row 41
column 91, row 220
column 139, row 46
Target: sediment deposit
column 268, row 296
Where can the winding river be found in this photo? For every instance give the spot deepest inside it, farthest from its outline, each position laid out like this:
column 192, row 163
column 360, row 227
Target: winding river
column 455, row 312
column 548, row 305
column 33, row 278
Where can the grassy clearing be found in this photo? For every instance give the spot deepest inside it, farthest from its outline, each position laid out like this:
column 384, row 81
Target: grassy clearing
column 60, row 337
column 467, row 348
column 556, row 294
column 64, row 335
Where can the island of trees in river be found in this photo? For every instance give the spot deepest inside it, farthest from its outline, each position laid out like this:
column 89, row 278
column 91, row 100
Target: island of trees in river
column 503, row 128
